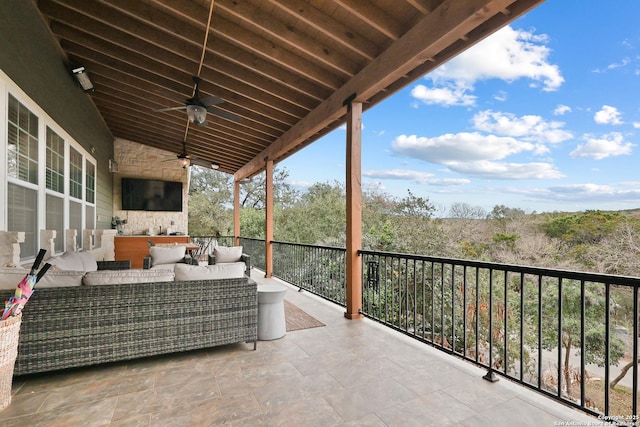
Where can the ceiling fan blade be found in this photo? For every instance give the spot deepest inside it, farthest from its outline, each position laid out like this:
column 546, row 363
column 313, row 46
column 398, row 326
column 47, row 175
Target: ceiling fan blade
column 225, row 115
column 211, row 100
column 160, row 110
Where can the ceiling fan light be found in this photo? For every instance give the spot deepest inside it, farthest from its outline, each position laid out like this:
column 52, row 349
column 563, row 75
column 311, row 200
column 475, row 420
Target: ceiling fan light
column 197, row 114
column 214, row 165
column 184, row 162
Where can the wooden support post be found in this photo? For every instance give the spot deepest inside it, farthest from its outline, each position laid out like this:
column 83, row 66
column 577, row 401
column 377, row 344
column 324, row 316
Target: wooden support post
column 354, row 210
column 268, row 232
column 236, row 212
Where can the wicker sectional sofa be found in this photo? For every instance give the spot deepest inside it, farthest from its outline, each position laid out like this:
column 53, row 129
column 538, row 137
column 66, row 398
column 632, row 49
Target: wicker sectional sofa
column 67, row 327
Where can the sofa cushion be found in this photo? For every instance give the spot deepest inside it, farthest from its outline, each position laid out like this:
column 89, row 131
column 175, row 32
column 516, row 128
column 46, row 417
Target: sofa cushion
column 74, row 261
column 227, row 253
column 10, row 277
column 208, row 272
column 167, row 255
column 112, row 277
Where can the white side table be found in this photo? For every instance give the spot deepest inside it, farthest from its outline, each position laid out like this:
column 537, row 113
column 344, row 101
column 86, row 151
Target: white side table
column 271, row 321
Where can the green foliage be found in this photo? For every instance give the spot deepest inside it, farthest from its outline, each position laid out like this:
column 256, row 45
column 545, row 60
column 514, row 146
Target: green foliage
column 252, row 223
column 210, row 201
column 505, row 238
column 583, row 228
column 572, row 314
column 412, row 206
column 505, row 212
column 472, row 250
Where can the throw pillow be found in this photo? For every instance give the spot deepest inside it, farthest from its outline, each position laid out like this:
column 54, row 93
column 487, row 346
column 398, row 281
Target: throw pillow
column 208, row 272
column 88, row 261
column 10, row 277
column 166, row 255
column 227, row 253
column 69, row 261
column 114, row 277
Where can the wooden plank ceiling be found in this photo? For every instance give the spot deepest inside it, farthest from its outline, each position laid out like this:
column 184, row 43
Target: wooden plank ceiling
column 283, row 67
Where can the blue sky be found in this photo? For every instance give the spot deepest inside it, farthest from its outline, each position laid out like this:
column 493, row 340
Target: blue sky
column 543, row 115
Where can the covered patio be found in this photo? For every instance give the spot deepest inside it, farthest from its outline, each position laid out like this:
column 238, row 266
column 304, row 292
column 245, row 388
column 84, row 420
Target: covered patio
column 343, row 373
column 279, row 75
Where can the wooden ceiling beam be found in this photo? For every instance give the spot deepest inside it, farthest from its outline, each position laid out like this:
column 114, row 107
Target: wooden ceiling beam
column 155, row 97
column 243, row 39
column 374, row 17
column 287, row 35
column 329, row 27
column 106, row 23
column 137, row 65
column 178, row 71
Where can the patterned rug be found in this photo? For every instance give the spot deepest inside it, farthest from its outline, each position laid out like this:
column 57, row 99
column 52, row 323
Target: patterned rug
column 298, row 319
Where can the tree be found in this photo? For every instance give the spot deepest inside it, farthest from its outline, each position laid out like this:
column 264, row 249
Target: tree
column 571, row 315
column 505, row 212
column 210, row 202
column 253, row 192
column 414, row 207
column 466, row 211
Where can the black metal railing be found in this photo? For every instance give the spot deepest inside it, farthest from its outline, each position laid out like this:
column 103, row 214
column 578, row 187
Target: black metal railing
column 255, row 248
column 317, row 269
column 572, row 336
column 563, row 333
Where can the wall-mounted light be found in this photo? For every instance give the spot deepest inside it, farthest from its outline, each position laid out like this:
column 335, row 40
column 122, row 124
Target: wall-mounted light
column 83, row 78
column 113, row 166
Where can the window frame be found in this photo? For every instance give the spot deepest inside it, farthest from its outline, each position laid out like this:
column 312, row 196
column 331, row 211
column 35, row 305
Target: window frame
column 45, row 122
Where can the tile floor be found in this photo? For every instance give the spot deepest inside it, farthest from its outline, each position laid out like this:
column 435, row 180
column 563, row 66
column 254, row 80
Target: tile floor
column 347, row 373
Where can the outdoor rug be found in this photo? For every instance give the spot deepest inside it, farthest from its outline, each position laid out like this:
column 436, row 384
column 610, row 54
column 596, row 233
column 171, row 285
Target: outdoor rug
column 298, row 319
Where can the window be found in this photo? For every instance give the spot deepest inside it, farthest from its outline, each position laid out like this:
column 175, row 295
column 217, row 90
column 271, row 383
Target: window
column 90, row 182
column 51, row 179
column 22, row 155
column 55, row 219
column 75, row 174
column 22, row 203
column 55, row 162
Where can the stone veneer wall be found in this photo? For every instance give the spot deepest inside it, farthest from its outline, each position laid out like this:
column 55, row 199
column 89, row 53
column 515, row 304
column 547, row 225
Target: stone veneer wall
column 141, row 161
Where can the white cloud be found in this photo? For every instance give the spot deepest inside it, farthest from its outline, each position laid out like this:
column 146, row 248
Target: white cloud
column 636, row 125
column 623, row 63
column 458, row 147
column 447, row 96
column 508, row 54
column 608, row 115
column 587, row 192
column 505, row 170
column 299, row 184
column 415, row 176
column 476, row 155
column 609, row 145
column 528, row 127
column 561, row 110
column 501, row 96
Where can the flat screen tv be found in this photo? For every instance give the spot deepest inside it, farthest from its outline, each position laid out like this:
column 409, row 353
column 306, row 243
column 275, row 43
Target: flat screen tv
column 151, row 195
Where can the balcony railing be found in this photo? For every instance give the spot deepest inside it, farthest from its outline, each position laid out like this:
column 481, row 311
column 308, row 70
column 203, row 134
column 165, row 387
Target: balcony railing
column 568, row 335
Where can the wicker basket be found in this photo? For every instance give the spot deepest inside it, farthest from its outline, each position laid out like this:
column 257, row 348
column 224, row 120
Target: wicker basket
column 9, row 334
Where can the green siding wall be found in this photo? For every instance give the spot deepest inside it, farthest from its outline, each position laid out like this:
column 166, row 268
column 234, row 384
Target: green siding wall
column 30, row 56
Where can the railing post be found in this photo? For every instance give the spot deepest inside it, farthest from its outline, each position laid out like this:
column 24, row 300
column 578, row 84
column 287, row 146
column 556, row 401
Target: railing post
column 268, row 233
